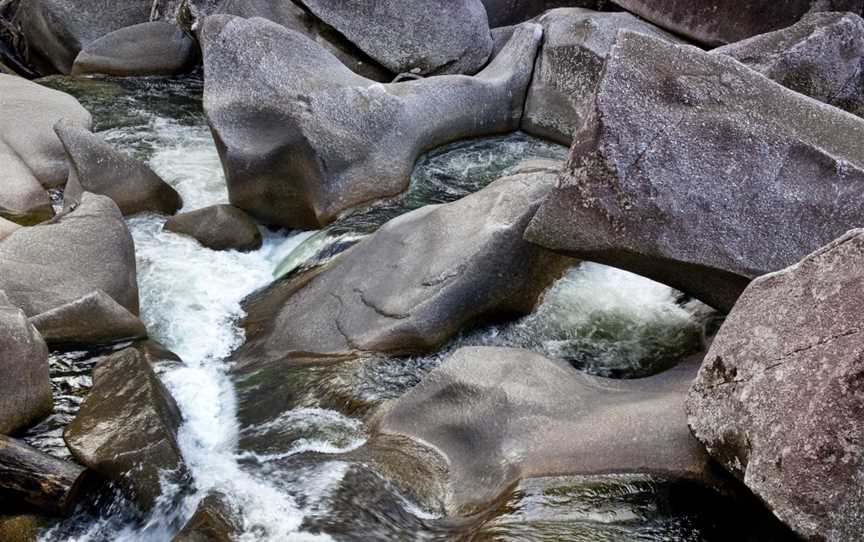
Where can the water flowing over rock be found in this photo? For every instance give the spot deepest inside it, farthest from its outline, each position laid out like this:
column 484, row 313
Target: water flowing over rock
column 220, row 227
column 25, row 390
column 56, row 262
column 311, row 139
column 95, row 166
column 93, row 320
column 821, row 56
column 213, row 521
column 778, row 401
column 126, row 429
column 576, row 43
column 498, row 414
column 151, row 48
column 702, row 174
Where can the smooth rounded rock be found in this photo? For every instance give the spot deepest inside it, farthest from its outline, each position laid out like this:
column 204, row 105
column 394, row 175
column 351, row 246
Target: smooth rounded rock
column 220, row 227
column 25, row 389
column 93, row 320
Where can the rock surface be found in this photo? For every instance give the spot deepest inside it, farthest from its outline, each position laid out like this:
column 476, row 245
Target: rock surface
column 311, row 139
column 25, row 389
column 54, row 263
column 7, row 227
column 95, row 166
column 93, row 320
column 220, row 227
column 126, row 429
column 151, row 48
column 702, row 174
column 821, row 56
column 508, row 12
column 22, row 527
column 213, row 521
column 779, row 399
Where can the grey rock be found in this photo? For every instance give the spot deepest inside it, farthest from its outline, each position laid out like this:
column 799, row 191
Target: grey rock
column 311, row 139
column 778, row 401
column 95, row 166
column 126, row 429
column 25, row 389
column 700, row 173
column 93, row 320
column 54, row 263
column 821, row 56
column 7, row 227
column 576, row 43
column 151, row 48
column 220, row 227
column 213, row 521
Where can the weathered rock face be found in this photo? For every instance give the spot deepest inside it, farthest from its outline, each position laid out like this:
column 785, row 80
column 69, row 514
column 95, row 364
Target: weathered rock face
column 575, row 45
column 778, row 401
column 718, row 22
column 702, row 174
column 821, row 56
column 384, row 295
column 25, row 389
column 54, row 263
column 93, row 320
column 421, row 36
column 22, row 527
column 152, row 48
column 220, row 227
column 126, row 429
column 213, row 521
column 498, row 414
column 56, row 30
column 94, row 166
column 507, row 12
column 311, row 139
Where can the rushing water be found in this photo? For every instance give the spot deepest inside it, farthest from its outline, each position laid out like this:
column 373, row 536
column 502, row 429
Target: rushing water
column 601, row 320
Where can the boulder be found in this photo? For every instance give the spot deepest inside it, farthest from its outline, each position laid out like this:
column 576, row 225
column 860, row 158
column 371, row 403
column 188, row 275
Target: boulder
column 93, row 320
column 384, row 295
column 302, row 138
column 25, row 388
column 508, row 12
column 719, row 22
column 779, row 399
column 94, row 166
column 126, row 429
column 821, row 56
column 576, row 43
column 7, row 227
column 56, row 30
column 56, row 262
column 151, row 48
column 497, row 415
column 428, row 37
column 700, row 173
column 213, row 521
column 220, row 227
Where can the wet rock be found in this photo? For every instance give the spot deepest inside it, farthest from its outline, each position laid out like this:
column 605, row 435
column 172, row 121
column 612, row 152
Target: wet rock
column 311, row 139
column 779, row 399
column 725, row 21
column 93, row 320
column 384, row 295
column 151, row 48
column 508, row 12
column 220, row 227
column 126, row 429
column 498, row 415
column 156, row 353
column 54, row 263
column 213, row 521
column 821, row 56
column 95, row 166
column 22, row 527
column 700, row 173
column 25, row 389
column 576, row 43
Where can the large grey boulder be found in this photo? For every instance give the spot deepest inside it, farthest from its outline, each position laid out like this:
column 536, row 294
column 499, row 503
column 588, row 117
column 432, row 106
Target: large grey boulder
column 498, row 415
column 576, row 43
column 302, row 138
column 54, row 263
column 821, row 56
column 778, row 401
column 385, row 295
column 220, row 227
column 95, row 166
column 93, row 320
column 151, row 48
column 126, row 429
column 419, row 36
column 718, row 22
column 25, row 389
column 699, row 182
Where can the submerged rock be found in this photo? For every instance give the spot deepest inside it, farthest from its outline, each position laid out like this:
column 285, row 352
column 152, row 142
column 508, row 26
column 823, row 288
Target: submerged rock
column 702, row 183
column 25, row 389
column 126, row 429
column 92, row 320
column 779, row 399
column 821, row 56
column 220, row 227
column 311, row 139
